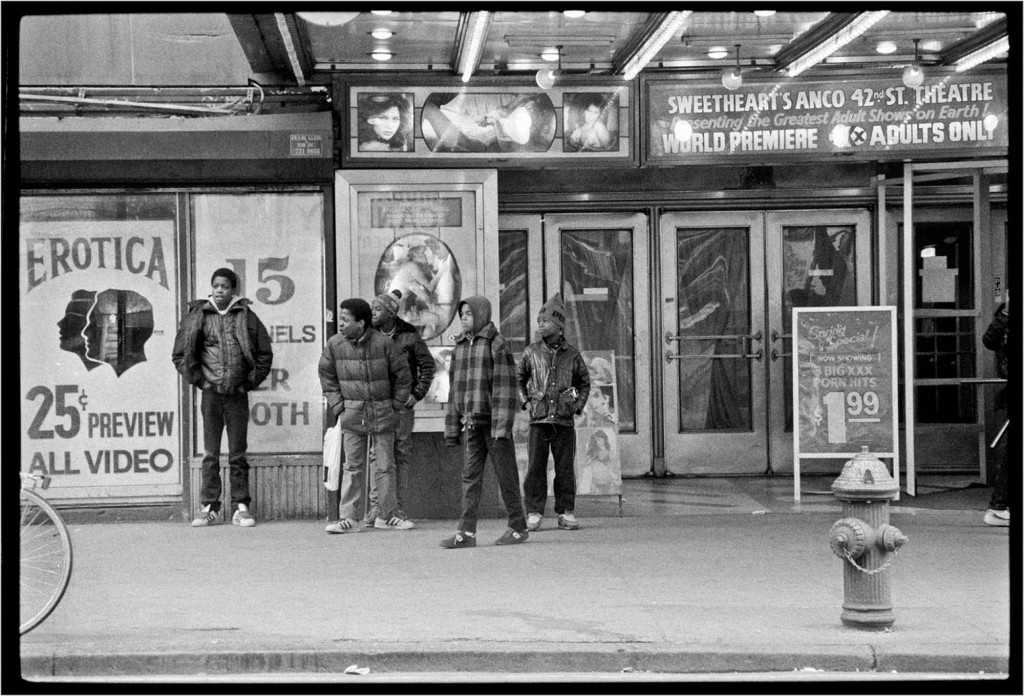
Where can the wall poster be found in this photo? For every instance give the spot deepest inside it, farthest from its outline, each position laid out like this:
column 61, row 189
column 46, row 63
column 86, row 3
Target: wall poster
column 499, row 124
column 420, row 233
column 274, row 243
column 99, row 304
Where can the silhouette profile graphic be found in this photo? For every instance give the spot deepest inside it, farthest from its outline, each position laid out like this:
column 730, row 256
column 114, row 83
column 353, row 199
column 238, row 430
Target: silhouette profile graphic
column 109, row 327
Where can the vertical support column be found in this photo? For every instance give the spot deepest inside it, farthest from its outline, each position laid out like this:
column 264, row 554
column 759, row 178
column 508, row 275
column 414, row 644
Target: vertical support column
column 982, row 243
column 909, row 264
column 881, row 258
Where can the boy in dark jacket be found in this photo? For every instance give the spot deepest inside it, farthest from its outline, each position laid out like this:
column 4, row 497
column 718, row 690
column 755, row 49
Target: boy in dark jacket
column 421, row 365
column 482, row 403
column 365, row 379
column 223, row 349
column 554, row 384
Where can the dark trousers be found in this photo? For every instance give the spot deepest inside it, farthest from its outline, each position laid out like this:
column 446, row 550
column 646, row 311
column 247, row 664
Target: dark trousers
column 1001, row 486
column 480, row 444
column 222, row 411
column 560, row 441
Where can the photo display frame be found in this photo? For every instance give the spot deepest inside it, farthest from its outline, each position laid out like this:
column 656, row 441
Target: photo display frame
column 436, row 123
column 432, row 234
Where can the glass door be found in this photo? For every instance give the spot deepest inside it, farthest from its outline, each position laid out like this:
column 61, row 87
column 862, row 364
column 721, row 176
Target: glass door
column 729, row 283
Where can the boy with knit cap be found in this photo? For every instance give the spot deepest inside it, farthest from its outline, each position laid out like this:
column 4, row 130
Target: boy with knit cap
column 482, row 404
column 421, row 365
column 365, row 379
column 554, row 384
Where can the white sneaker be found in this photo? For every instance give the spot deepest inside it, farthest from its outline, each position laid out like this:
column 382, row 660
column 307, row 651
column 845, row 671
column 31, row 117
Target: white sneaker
column 997, row 518
column 567, row 520
column 343, row 527
column 393, row 523
column 533, row 521
column 242, row 517
column 206, row 517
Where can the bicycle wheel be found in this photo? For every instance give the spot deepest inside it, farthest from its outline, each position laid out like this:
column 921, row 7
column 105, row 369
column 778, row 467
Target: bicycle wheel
column 45, row 559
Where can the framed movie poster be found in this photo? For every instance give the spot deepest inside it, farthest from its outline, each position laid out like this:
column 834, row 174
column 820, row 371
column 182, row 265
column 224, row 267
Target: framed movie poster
column 430, row 235
column 414, row 122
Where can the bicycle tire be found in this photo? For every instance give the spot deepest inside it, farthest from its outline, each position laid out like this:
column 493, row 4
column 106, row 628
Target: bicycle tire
column 45, row 559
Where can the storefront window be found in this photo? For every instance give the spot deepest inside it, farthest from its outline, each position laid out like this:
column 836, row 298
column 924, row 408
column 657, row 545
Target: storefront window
column 818, row 270
column 713, row 297
column 597, row 286
column 513, row 280
column 944, row 322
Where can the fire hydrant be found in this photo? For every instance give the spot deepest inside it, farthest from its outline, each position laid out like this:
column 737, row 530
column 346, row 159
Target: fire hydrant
column 866, row 541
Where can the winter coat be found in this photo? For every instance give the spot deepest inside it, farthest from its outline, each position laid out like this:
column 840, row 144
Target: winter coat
column 483, row 378
column 997, row 338
column 365, row 381
column 421, row 362
column 554, row 382
column 228, row 352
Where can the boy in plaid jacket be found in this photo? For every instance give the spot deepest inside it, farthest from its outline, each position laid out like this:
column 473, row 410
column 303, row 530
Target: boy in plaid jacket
column 482, row 404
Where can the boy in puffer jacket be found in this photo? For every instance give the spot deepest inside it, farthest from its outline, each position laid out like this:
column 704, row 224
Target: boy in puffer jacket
column 482, row 403
column 554, row 384
column 366, row 381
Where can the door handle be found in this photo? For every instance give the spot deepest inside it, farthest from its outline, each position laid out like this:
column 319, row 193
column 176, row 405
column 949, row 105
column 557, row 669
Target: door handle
column 776, row 336
column 757, row 355
column 712, row 337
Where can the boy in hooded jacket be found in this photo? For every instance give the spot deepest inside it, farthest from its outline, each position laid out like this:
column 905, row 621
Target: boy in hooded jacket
column 223, row 349
column 554, row 384
column 482, row 404
column 365, row 379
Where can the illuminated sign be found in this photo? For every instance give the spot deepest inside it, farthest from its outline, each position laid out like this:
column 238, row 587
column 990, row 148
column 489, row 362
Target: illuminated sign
column 867, row 118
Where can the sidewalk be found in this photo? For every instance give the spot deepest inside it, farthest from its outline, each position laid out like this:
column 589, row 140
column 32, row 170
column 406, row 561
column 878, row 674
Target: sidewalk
column 744, row 587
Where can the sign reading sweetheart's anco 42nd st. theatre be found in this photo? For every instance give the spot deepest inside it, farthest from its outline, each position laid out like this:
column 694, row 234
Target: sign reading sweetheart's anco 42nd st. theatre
column 859, row 117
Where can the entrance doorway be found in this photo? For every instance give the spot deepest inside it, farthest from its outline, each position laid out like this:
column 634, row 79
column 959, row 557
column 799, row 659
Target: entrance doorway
column 729, row 281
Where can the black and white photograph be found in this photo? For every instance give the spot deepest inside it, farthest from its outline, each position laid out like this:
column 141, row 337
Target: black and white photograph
column 591, row 121
column 498, row 348
column 385, row 122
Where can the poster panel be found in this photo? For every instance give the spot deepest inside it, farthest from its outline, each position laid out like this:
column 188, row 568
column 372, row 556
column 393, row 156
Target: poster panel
column 99, row 299
column 844, row 383
column 274, row 243
column 422, row 122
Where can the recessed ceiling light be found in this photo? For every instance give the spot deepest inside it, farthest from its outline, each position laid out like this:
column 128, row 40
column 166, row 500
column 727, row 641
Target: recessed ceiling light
column 382, row 33
column 549, row 54
column 717, row 52
column 931, row 45
column 574, row 14
column 764, row 13
column 886, row 47
column 381, row 13
column 381, row 55
column 327, row 19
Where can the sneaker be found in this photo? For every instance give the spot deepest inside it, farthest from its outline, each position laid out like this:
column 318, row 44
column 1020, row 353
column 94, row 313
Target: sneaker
column 995, row 518
column 205, row 518
column 533, row 521
column 511, row 536
column 567, row 520
column 343, row 527
column 460, row 540
column 242, row 517
column 393, row 523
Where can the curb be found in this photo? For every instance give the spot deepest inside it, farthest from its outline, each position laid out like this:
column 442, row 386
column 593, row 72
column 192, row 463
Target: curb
column 512, row 658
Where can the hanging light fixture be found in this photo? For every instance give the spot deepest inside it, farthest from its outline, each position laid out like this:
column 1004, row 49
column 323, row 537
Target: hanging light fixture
column 732, row 78
column 913, row 75
column 545, row 77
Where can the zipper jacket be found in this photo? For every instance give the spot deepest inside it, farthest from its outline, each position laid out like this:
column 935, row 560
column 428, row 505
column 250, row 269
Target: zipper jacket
column 554, row 382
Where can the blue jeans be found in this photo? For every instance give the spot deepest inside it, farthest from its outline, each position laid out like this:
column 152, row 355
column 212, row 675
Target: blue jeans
column 353, row 473
column 403, row 455
column 480, row 444
column 220, row 411
column 560, row 440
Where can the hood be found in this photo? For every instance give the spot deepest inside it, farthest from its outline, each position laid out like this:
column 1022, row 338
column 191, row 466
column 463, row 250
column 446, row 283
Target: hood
column 481, row 307
column 236, row 301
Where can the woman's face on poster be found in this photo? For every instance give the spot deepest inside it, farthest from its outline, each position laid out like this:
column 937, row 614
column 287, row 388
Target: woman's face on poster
column 386, row 123
column 591, row 114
